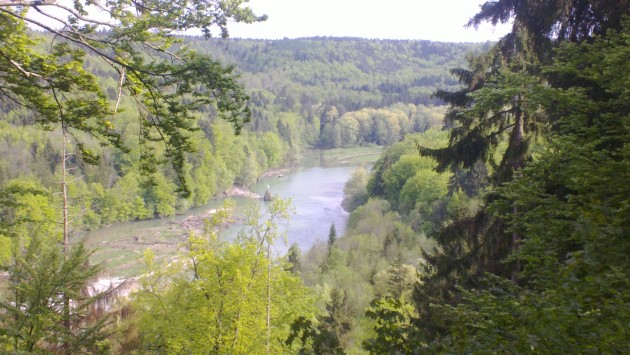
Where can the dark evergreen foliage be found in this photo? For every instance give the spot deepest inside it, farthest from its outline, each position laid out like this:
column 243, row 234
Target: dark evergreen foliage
column 40, row 278
column 332, row 236
column 493, row 262
column 323, row 337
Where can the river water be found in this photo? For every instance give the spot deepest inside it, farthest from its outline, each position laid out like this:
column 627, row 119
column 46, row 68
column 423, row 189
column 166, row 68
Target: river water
column 316, row 193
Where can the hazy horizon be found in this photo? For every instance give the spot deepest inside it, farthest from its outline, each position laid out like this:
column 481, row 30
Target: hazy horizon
column 400, row 20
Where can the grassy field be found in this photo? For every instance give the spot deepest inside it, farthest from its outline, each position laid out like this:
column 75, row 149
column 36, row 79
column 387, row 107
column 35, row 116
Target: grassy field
column 350, row 156
column 120, row 248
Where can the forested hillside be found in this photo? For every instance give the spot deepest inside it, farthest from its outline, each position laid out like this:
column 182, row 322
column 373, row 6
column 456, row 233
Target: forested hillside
column 304, row 93
column 495, row 221
column 348, row 73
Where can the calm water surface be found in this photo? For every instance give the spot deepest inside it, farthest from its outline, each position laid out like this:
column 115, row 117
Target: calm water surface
column 316, row 194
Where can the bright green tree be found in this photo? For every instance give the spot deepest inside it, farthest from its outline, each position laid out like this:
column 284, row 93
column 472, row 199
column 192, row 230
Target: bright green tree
column 355, row 190
column 392, row 317
column 27, row 211
column 403, row 170
column 224, row 296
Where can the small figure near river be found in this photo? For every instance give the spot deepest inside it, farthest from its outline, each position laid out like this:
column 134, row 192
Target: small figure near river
column 268, row 196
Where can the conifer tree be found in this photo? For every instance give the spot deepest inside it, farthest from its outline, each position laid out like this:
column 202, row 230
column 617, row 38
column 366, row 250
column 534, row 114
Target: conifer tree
column 332, row 237
column 502, row 103
column 573, row 215
column 294, row 258
column 33, row 310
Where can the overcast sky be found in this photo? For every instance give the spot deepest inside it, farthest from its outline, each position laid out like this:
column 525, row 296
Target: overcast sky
column 436, row 20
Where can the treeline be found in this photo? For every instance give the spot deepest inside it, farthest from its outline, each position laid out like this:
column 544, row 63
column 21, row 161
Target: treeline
column 115, row 190
column 348, row 73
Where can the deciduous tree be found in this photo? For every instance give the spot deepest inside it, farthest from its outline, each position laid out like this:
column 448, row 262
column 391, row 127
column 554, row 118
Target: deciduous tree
column 168, row 81
column 224, row 296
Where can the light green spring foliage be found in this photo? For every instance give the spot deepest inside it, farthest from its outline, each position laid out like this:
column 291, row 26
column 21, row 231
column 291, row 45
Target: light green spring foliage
column 390, row 316
column 27, row 211
column 355, row 190
column 386, row 181
column 384, row 126
column 213, row 298
column 399, row 175
column 114, row 190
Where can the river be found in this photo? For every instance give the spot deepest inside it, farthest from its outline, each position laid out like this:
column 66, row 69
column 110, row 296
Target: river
column 315, row 191
column 316, row 195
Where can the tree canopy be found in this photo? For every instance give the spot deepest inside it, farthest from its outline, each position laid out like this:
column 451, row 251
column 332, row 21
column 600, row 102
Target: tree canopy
column 168, row 81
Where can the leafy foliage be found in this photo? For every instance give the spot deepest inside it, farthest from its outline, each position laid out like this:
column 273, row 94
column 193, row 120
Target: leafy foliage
column 393, row 321
column 566, row 212
column 355, row 190
column 214, row 298
column 168, row 82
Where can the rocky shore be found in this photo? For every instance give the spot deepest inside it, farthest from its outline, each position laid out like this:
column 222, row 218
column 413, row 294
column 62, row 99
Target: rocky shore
column 278, row 173
column 240, row 191
column 196, row 222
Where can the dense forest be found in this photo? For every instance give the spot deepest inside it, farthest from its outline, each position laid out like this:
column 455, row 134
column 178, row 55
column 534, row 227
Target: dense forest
column 298, row 100
column 495, row 221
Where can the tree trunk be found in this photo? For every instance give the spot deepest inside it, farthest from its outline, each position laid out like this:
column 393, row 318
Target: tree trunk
column 64, row 193
column 519, row 133
column 268, row 297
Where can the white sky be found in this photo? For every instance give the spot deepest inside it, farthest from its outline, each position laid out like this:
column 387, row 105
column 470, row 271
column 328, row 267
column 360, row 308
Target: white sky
column 436, row 20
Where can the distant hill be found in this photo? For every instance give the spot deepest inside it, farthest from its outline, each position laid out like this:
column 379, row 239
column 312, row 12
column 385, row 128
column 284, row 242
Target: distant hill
column 348, row 73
